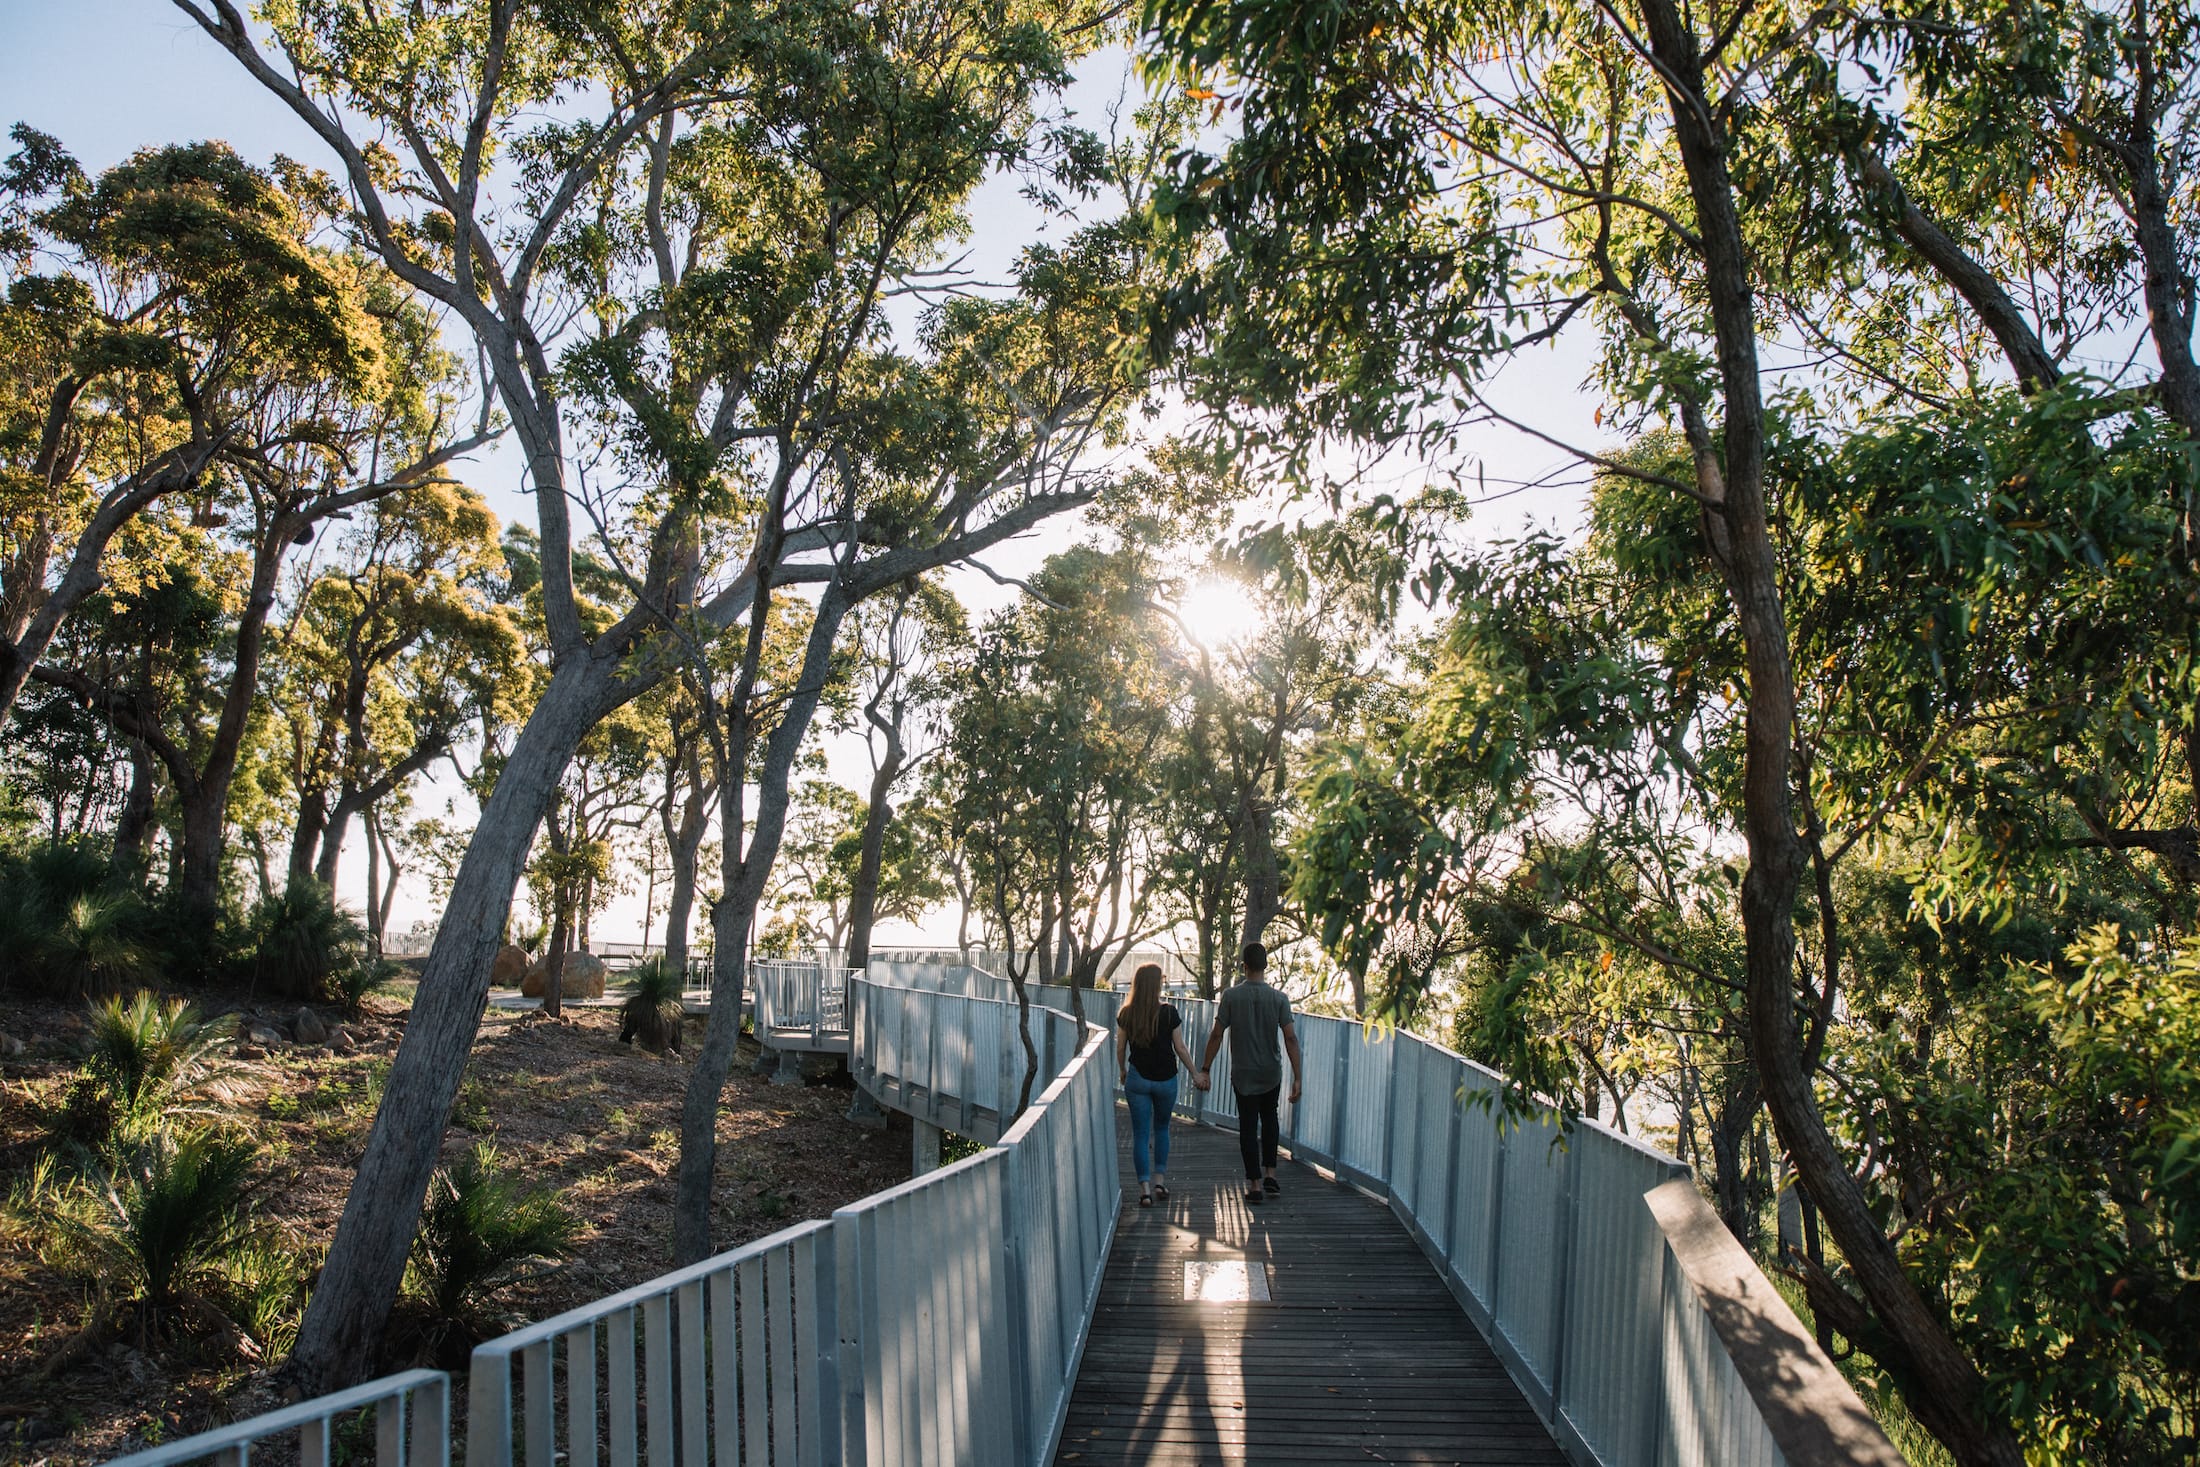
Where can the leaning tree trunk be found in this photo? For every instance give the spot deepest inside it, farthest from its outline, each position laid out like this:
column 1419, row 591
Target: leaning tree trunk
column 1942, row 1386
column 341, row 1336
column 733, row 919
column 863, row 897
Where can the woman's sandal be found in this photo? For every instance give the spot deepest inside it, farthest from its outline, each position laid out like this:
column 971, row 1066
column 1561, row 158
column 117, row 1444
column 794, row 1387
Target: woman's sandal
column 1145, row 1199
column 1161, row 1191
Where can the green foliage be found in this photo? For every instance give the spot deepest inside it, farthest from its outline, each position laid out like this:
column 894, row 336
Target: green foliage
column 2050, row 1183
column 157, row 1222
column 654, row 1011
column 145, row 1057
column 482, row 1231
column 301, row 944
column 66, row 927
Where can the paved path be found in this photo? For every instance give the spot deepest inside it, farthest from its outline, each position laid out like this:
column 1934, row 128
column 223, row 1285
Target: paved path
column 1361, row 1355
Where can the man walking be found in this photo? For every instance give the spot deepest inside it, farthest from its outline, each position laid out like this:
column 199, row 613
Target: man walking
column 1256, row 1015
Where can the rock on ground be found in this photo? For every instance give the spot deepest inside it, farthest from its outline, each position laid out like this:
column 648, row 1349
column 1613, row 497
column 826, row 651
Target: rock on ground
column 583, row 978
column 509, row 968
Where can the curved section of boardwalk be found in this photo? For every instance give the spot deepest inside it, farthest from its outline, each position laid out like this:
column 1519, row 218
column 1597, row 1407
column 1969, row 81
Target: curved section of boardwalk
column 1360, row 1355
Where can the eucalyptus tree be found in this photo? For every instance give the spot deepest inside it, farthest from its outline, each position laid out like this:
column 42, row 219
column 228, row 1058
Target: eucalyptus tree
column 629, row 199
column 397, row 647
column 1418, row 190
column 905, row 646
column 156, row 320
column 1059, row 724
column 306, row 440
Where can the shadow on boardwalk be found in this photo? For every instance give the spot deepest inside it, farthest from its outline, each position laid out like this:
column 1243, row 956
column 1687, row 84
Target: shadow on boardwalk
column 1361, row 1355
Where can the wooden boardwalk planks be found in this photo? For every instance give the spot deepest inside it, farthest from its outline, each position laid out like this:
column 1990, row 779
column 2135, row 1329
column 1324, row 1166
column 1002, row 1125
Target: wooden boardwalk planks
column 1361, row 1356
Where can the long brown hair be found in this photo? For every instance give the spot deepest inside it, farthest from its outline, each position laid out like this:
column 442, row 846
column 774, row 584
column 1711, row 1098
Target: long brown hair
column 1141, row 1016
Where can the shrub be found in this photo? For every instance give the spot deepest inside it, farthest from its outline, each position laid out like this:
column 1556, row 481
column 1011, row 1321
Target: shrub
column 65, row 927
column 351, row 986
column 654, row 1012
column 303, row 945
column 161, row 1219
column 480, row 1234
column 263, row 1289
column 148, row 1054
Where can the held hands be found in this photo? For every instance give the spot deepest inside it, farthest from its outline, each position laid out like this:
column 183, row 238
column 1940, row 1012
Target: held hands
column 1199, row 1080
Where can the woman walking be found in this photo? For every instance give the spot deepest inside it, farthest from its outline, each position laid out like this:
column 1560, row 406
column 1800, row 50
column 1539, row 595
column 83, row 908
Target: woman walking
column 1146, row 1055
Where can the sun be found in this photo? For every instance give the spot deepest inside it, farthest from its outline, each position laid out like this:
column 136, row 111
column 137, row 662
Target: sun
column 1219, row 613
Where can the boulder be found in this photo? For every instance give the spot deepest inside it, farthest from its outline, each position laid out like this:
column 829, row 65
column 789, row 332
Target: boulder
column 307, row 1027
column 10, row 1046
column 263, row 1036
column 509, row 968
column 583, row 978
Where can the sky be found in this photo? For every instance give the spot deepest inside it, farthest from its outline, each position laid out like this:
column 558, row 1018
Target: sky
column 108, row 77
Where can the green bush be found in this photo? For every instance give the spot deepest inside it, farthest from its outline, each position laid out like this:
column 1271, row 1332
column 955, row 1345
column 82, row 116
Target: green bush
column 483, row 1231
column 300, row 944
column 145, row 1061
column 160, row 1221
column 653, row 1011
column 66, row 927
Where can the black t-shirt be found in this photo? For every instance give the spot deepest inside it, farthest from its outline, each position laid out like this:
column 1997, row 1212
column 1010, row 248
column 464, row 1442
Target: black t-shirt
column 1157, row 1061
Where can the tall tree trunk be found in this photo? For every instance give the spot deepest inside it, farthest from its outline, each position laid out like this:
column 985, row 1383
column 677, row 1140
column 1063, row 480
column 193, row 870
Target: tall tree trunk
column 202, row 815
column 136, row 820
column 863, row 898
column 1263, row 883
column 733, row 919
column 341, row 1336
column 553, row 962
column 305, row 840
column 1947, row 1393
column 680, row 901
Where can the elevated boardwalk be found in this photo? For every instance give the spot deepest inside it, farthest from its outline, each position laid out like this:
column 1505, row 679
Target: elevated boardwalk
column 1515, row 1293
column 1359, row 1355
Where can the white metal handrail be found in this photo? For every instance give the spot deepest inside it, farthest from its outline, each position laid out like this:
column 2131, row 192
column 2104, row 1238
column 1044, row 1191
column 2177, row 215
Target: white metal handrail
column 914, row 1327
column 801, row 995
column 412, row 1427
column 722, row 1360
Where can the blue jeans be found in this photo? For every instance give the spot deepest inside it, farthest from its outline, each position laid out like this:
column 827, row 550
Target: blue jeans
column 1150, row 1102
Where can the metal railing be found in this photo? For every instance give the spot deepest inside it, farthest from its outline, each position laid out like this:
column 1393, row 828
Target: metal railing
column 727, row 1360
column 919, row 1325
column 942, row 1321
column 1553, row 1249
column 801, row 997
column 412, row 1427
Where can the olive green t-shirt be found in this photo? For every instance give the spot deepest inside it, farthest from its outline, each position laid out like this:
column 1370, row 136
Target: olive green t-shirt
column 1256, row 1015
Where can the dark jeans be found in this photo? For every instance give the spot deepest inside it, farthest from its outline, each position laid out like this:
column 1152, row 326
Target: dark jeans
column 1257, row 1129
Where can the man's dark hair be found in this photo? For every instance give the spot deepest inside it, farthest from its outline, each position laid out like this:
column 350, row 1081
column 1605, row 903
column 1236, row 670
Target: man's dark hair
column 1256, row 957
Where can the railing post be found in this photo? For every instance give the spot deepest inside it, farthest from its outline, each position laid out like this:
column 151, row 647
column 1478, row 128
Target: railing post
column 829, row 1422
column 1562, row 1278
column 1390, row 1112
column 1497, row 1203
column 1456, row 1105
column 1347, row 1038
column 489, row 1411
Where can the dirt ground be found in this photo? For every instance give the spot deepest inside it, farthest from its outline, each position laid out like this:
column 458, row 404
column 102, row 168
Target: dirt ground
column 563, row 1102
